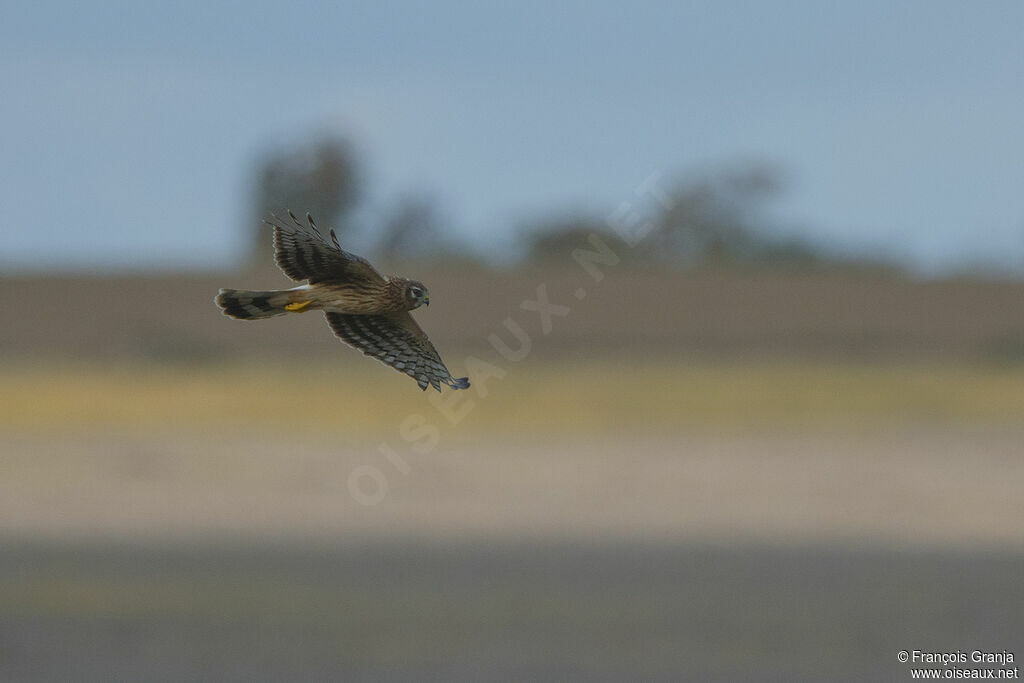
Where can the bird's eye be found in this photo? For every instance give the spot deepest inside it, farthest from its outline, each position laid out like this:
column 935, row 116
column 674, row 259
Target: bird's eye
column 417, row 292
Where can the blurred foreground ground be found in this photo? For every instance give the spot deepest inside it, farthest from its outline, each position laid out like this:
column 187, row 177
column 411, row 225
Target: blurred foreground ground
column 917, row 456
column 709, row 521
column 494, row 610
column 693, row 477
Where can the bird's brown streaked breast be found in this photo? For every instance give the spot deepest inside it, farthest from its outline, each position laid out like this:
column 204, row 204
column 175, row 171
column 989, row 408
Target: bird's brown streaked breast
column 357, row 298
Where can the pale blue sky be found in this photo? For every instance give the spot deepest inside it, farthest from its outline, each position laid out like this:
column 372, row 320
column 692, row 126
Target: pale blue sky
column 129, row 129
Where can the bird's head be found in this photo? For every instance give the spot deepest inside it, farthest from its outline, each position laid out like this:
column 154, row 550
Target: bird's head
column 416, row 294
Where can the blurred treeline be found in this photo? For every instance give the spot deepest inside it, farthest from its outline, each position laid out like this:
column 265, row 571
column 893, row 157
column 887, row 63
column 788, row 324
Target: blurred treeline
column 718, row 218
column 716, row 275
column 326, row 179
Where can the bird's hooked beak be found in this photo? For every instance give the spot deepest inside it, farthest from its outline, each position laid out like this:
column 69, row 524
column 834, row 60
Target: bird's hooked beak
column 426, row 299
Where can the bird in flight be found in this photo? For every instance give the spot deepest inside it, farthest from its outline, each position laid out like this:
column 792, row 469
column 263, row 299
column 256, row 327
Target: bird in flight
column 368, row 311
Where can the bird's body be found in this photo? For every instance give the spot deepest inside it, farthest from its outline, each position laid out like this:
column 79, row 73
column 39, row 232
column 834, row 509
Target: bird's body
column 332, row 296
column 366, row 310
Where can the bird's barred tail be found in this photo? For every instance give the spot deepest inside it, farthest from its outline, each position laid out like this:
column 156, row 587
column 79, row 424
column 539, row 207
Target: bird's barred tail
column 244, row 304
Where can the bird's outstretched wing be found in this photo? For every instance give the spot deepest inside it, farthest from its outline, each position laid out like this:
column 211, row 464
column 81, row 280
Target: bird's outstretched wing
column 302, row 253
column 396, row 340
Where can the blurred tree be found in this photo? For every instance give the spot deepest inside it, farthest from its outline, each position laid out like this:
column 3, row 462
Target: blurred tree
column 321, row 178
column 709, row 219
column 720, row 220
column 416, row 228
column 554, row 240
column 412, row 229
column 716, row 219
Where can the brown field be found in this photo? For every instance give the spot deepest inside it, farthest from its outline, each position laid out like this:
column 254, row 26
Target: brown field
column 788, row 477
column 730, row 315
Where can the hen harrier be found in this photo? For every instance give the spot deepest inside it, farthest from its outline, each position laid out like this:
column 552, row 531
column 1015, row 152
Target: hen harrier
column 367, row 311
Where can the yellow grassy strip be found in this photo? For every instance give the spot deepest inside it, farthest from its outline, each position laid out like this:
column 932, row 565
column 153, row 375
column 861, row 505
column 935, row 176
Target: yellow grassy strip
column 367, row 400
